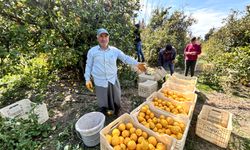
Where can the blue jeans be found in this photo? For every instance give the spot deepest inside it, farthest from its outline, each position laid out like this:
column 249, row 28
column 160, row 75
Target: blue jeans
column 170, row 65
column 139, row 52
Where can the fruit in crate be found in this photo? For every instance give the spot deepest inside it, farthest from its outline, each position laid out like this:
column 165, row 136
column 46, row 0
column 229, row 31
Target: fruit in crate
column 168, row 106
column 161, row 124
column 128, row 137
column 175, row 95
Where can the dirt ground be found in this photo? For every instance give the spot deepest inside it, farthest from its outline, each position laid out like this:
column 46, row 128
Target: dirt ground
column 68, row 100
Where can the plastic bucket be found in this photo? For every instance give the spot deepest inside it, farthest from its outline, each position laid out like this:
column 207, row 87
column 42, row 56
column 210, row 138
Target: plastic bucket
column 89, row 126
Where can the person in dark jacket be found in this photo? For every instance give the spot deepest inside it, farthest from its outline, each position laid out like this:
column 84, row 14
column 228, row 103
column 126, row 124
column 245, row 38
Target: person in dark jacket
column 138, row 44
column 191, row 53
column 166, row 58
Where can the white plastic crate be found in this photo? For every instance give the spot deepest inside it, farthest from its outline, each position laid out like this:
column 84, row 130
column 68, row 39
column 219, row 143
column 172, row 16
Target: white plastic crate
column 192, row 96
column 179, row 87
column 181, row 82
column 147, row 88
column 22, row 109
column 125, row 118
column 214, row 125
column 179, row 143
column 160, row 73
column 188, row 107
column 186, row 78
column 144, row 77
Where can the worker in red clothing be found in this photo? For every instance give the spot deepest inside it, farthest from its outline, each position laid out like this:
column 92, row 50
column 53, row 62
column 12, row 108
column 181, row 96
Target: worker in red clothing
column 191, row 52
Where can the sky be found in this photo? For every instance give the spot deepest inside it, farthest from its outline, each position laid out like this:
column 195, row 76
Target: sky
column 208, row 13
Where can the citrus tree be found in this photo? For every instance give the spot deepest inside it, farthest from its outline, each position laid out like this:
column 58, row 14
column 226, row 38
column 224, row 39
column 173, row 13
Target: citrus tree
column 229, row 50
column 166, row 28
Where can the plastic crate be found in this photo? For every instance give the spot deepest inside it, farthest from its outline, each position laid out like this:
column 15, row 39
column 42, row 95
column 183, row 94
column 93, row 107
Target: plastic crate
column 147, row 88
column 144, row 77
column 186, row 78
column 188, row 107
column 189, row 95
column 160, row 73
column 182, row 82
column 214, row 125
column 125, row 118
column 179, row 87
column 179, row 143
column 22, row 109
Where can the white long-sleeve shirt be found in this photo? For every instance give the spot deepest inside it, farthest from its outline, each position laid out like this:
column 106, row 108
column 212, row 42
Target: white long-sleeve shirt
column 102, row 64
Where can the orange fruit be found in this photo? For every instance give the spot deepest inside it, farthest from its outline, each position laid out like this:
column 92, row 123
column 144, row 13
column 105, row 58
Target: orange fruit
column 152, row 140
column 160, row 146
column 145, row 135
column 115, row 140
column 122, row 127
column 117, row 147
column 131, row 145
column 129, row 125
column 138, row 132
column 133, row 136
column 132, row 130
column 109, row 138
column 125, row 133
column 116, row 132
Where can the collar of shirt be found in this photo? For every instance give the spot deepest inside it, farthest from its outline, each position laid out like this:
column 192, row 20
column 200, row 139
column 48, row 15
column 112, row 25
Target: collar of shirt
column 99, row 48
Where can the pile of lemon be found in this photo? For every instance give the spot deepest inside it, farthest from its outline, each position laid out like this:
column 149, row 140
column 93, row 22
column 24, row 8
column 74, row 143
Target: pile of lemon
column 169, row 106
column 162, row 125
column 175, row 95
column 127, row 137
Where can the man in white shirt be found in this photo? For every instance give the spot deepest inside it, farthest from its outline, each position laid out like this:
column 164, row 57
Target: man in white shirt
column 102, row 66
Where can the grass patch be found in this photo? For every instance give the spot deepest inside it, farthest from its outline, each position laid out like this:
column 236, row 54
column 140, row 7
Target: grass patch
column 207, row 87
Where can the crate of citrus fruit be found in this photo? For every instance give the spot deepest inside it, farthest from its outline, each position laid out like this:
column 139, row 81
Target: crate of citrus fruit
column 165, row 125
column 125, row 134
column 186, row 97
column 166, row 105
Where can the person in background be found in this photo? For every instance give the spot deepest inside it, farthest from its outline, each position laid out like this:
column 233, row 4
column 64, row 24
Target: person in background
column 166, row 58
column 191, row 52
column 101, row 64
column 138, row 44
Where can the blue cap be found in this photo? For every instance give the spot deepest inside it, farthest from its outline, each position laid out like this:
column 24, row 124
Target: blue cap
column 102, row 30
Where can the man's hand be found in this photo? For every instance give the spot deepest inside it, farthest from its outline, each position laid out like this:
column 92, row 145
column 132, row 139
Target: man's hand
column 141, row 67
column 89, row 86
column 173, row 61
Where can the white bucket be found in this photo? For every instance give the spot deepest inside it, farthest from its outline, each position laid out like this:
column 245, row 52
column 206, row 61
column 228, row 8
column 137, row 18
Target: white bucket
column 89, row 126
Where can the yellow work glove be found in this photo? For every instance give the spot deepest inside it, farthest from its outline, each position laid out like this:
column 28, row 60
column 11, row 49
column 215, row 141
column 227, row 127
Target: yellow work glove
column 141, row 67
column 89, row 86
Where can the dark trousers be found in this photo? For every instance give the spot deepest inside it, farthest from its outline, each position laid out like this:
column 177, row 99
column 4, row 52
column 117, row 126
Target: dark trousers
column 190, row 64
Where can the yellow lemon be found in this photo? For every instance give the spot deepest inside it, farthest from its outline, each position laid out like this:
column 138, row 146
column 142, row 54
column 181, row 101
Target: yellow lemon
column 129, row 125
column 116, row 132
column 131, row 145
column 125, row 133
column 145, row 135
column 115, row 140
column 133, row 136
column 109, row 138
column 122, row 127
column 138, row 132
column 152, row 140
